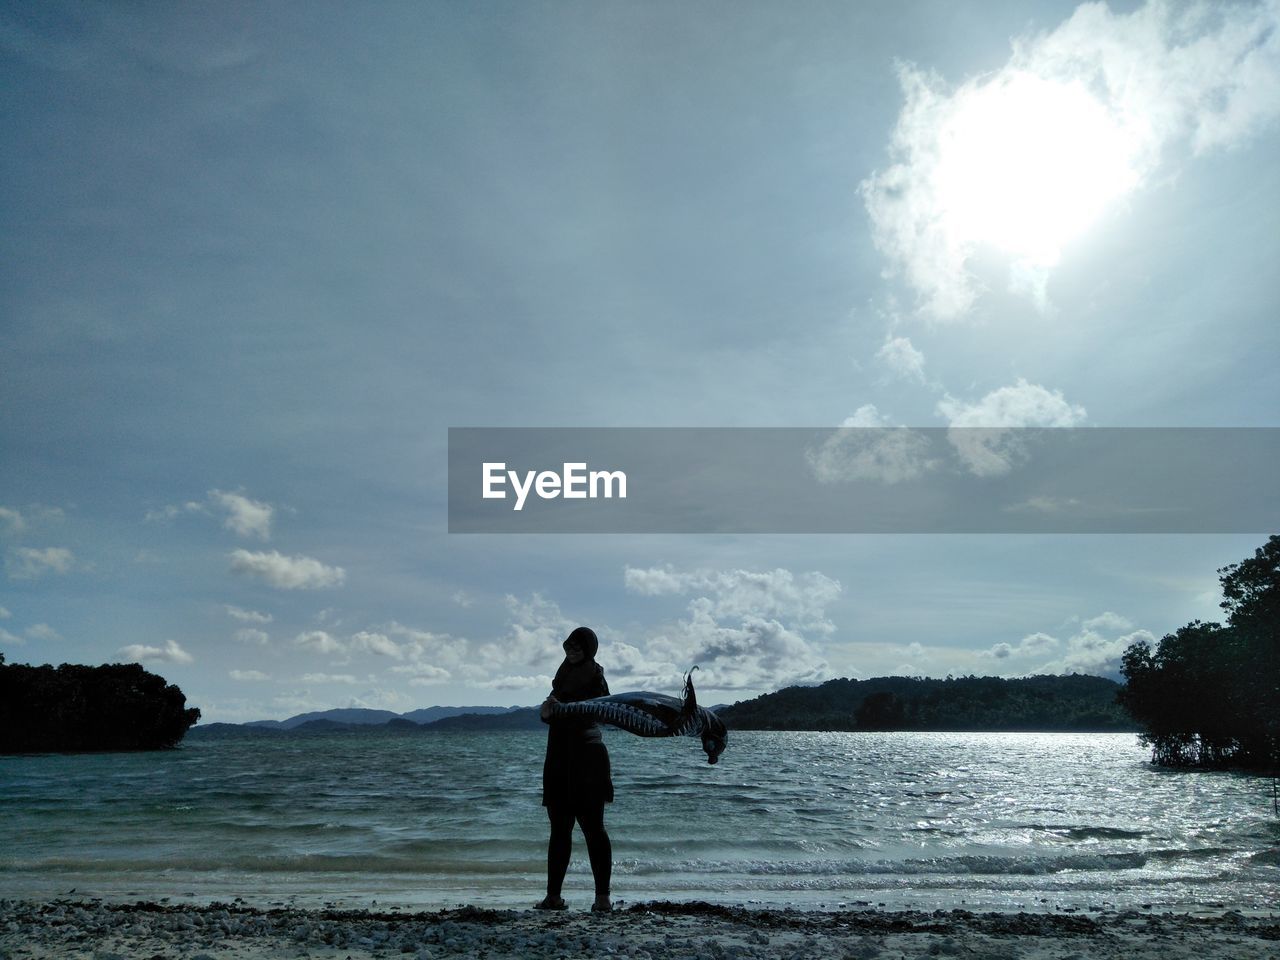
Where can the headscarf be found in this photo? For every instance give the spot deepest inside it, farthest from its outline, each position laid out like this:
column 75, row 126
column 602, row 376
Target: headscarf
column 583, row 680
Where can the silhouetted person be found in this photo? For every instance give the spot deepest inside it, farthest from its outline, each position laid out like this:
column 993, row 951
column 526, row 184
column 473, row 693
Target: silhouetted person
column 576, row 782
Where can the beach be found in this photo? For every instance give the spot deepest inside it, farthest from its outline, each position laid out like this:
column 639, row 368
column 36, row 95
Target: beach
column 93, row 929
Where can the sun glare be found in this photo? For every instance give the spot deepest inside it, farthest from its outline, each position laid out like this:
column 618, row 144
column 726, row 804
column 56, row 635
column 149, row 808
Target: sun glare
column 1026, row 164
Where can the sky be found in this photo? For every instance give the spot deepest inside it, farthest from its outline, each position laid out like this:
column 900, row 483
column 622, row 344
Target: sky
column 258, row 258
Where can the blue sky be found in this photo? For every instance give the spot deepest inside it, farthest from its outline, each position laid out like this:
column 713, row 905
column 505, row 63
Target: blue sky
column 258, row 258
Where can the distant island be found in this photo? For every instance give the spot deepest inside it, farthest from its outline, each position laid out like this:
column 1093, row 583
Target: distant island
column 1074, row 703
column 1071, row 703
column 359, row 722
column 74, row 708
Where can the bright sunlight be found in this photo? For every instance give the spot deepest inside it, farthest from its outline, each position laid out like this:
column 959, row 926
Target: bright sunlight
column 1027, row 164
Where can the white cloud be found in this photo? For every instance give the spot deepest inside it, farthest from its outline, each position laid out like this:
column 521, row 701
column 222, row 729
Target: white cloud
column 171, row 652
column 902, row 359
column 1028, row 156
column 866, row 415
column 984, row 433
column 247, row 616
column 27, row 563
column 536, row 629
column 1097, row 648
column 247, row 675
column 5, row 614
column 42, row 631
column 1033, row 644
column 170, row 512
column 423, row 645
column 11, row 638
column 247, row 518
column 287, row 573
column 1107, row 621
column 865, row 447
column 243, row 516
column 252, row 635
column 329, row 678
column 318, row 641
column 462, row 598
column 737, row 593
column 423, row 674
column 12, row 520
column 377, row 643
column 516, row 682
column 745, row 629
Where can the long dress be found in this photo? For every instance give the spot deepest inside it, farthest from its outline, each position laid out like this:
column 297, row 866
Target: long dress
column 576, row 773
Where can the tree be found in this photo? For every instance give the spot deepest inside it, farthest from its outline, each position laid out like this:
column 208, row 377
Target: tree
column 1209, row 694
column 74, row 708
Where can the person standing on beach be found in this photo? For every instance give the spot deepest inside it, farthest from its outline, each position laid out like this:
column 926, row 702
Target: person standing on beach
column 576, row 781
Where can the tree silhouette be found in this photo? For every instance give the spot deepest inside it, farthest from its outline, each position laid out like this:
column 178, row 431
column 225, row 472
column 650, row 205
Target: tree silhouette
column 75, row 708
column 1209, row 694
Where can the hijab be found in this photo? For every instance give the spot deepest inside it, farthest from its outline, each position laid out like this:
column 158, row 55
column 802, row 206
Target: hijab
column 582, row 680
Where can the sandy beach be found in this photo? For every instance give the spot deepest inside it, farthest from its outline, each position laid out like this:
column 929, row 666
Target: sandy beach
column 94, row 930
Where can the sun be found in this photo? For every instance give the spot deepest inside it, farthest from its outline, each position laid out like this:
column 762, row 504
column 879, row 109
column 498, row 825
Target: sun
column 1026, row 164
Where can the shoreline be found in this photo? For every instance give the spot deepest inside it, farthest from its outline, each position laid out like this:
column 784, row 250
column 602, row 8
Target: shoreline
column 93, row 929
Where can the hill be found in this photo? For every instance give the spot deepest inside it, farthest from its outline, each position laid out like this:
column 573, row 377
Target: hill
column 1066, row 703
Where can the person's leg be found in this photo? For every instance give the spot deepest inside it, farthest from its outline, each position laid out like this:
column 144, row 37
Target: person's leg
column 558, row 849
column 599, row 849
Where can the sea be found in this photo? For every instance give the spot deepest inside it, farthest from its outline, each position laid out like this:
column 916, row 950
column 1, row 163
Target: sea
column 976, row 821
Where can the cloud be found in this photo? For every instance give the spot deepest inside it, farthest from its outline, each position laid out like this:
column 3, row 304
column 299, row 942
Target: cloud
column 866, row 447
column 247, row 675
column 252, row 635
column 27, row 563
column 736, row 593
column 171, row 652
column 377, row 643
column 244, row 517
column 247, row 616
column 986, row 434
column 744, row 629
column 423, row 645
column 11, row 638
column 170, row 512
column 1033, row 644
column 42, row 631
column 902, row 359
column 1097, row 648
column 423, row 674
column 536, row 629
column 318, row 642
column 5, row 614
column 247, row 518
column 1026, row 157
column 1107, row 621
column 287, row 573
column 12, row 520
column 516, row 682
column 329, row 678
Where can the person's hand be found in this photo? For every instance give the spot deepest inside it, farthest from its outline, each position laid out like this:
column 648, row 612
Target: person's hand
column 548, row 705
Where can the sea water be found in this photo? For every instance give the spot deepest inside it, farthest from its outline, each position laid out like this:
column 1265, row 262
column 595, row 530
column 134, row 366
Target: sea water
column 904, row 820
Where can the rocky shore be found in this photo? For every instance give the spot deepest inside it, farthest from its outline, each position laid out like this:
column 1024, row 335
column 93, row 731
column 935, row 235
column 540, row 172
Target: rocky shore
column 96, row 930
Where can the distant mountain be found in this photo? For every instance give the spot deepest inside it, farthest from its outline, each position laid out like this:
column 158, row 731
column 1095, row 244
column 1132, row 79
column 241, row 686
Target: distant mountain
column 1064, row 703
column 432, row 714
column 517, row 718
column 346, row 715
column 357, row 716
